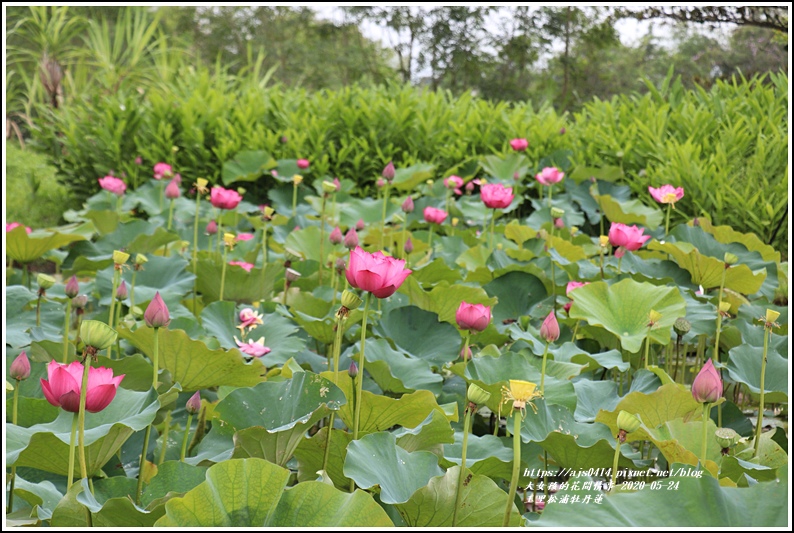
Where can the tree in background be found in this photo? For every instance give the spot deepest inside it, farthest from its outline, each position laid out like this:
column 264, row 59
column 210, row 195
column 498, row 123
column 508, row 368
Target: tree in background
column 770, row 17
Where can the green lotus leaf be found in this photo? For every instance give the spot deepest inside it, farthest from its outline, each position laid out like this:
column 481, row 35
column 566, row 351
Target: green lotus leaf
column 250, row 492
column 744, row 366
column 46, row 446
column 393, row 371
column 25, row 248
column 698, row 502
column 172, row 477
column 518, row 233
column 430, row 435
column 708, row 271
column 406, row 179
column 728, row 235
column 435, row 272
column 240, row 286
column 247, row 165
column 516, row 293
column 310, row 453
column 592, row 396
column 735, row 469
column 166, row 275
column 485, row 455
column 191, row 363
column 482, row 503
column 399, row 473
column 629, row 211
column 43, row 497
column 605, row 173
column 410, row 327
column 504, row 168
column 623, row 309
column 680, row 441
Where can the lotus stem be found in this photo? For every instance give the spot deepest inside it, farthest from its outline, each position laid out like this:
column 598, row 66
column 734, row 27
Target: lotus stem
column 706, row 417
column 601, row 261
column 111, row 313
column 359, row 385
column 170, row 221
column 72, row 442
column 337, row 350
column 294, row 198
column 715, row 354
column 14, row 468
column 459, row 494
column 466, row 351
column 38, row 309
column 667, row 220
column 66, row 330
column 516, row 463
column 760, row 423
column 162, row 194
column 81, row 417
column 166, row 429
column 493, row 223
column 647, row 347
column 383, row 215
column 430, row 239
column 223, row 271
column 543, row 370
column 184, row 437
column 322, row 241
column 155, row 357
column 142, row 464
column 615, row 460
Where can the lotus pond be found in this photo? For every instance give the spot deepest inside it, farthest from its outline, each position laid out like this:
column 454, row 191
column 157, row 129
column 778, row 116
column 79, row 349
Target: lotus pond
column 517, row 346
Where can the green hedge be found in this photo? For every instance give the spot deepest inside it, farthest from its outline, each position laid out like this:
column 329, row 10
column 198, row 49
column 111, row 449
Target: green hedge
column 726, row 146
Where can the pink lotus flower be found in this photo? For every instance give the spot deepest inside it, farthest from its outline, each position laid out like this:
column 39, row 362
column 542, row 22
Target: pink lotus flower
column 550, row 329
column 138, row 160
column 454, row 182
column 254, row 349
column 336, row 236
column 360, row 224
column 625, row 237
column 162, row 170
column 248, row 319
column 574, row 285
column 212, row 228
column 408, row 205
column 114, row 185
column 558, row 223
column 667, row 194
column 434, row 215
column 13, row 225
column 496, row 195
column 409, row 246
column 473, row 317
column 469, row 186
column 388, row 172
column 242, row 264
column 156, row 314
column 376, row 273
column 303, row 164
column 172, row 191
column 707, row 387
column 72, row 288
column 245, row 236
column 337, row 184
column 519, row 145
column 62, row 386
column 20, row 367
column 549, row 176
column 351, row 239
column 381, row 183
column 224, row 198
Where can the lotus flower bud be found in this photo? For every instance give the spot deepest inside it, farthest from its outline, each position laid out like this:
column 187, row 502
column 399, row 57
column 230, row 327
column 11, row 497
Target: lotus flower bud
column 465, row 353
column 559, row 223
column 469, row 186
column 283, row 139
column 682, row 326
column 297, row 179
column 340, row 266
column 172, row 191
column 388, row 172
column 380, row 183
column 72, row 288
column 477, row 395
column 120, row 257
column 556, row 212
column 156, row 314
column 408, row 205
column 629, row 422
column 360, row 224
column 292, row 275
column 212, row 228
column 409, row 246
column 336, row 236
column 351, row 239
column 550, row 329
column 44, row 281
column 730, row 259
column 79, row 302
column 707, row 386
column 329, row 187
column 193, row 405
column 121, row 290
column 97, row 335
column 726, row 437
column 353, row 370
column 303, row 164
column 350, row 300
column 20, row 367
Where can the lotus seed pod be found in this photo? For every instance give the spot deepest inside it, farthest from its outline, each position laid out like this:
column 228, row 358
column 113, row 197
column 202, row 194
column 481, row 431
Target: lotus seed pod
column 477, row 395
column 771, row 315
column 654, row 317
column 726, row 437
column 120, row 257
column 556, row 212
column 45, row 282
column 329, row 187
column 97, row 335
column 682, row 326
column 603, row 240
column 291, row 255
column 141, row 259
column 297, row 179
column 79, row 302
column 292, row 275
column 629, row 422
column 350, row 300
column 730, row 259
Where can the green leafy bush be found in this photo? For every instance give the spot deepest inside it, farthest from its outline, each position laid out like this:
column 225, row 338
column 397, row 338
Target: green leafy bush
column 34, row 195
column 726, row 146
